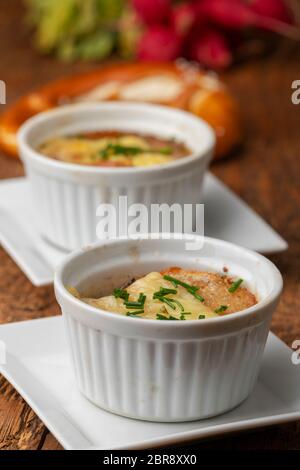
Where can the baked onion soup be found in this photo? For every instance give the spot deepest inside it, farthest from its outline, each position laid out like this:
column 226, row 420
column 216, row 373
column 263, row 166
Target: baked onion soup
column 114, row 149
column 176, row 294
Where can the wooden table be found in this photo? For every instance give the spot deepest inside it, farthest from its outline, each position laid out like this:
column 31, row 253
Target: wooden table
column 265, row 173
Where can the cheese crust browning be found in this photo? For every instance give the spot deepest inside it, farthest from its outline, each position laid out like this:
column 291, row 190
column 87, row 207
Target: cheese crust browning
column 176, row 294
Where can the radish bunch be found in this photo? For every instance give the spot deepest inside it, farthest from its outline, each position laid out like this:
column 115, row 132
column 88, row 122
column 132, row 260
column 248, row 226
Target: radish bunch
column 207, row 31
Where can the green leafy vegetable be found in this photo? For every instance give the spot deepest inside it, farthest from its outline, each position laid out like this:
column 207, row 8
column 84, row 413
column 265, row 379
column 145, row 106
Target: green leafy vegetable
column 76, row 29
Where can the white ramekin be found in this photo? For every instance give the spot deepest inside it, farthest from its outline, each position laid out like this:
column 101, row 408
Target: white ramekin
column 66, row 196
column 156, row 370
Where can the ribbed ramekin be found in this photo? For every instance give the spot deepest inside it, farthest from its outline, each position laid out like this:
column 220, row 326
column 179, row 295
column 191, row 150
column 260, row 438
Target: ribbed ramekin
column 66, row 196
column 156, row 370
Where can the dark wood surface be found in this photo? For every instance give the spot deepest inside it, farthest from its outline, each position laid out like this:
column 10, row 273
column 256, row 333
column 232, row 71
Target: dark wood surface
column 265, row 173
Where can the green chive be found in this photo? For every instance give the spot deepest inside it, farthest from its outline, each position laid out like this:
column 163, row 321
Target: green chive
column 235, row 285
column 136, row 304
column 166, row 301
column 221, row 309
column 117, row 149
column 191, row 289
column 142, row 298
column 133, row 314
column 159, row 316
column 165, row 150
column 178, row 303
column 197, row 296
column 121, row 294
column 201, row 317
column 165, row 291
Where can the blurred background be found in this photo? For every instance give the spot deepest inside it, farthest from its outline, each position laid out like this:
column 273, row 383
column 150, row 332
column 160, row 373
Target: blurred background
column 215, row 33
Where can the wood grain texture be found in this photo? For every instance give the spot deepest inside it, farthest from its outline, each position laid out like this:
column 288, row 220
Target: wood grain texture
column 265, row 173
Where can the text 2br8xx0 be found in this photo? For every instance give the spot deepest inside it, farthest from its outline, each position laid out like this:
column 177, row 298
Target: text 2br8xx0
column 150, row 459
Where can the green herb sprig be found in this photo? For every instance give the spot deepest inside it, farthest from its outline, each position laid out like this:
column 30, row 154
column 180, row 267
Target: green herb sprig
column 191, row 289
column 161, row 295
column 159, row 316
column 139, row 304
column 235, row 285
column 134, row 313
column 221, row 309
column 121, row 294
column 117, row 149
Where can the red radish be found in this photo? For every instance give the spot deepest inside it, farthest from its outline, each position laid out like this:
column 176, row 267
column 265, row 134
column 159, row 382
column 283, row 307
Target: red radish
column 183, row 17
column 152, row 11
column 211, row 49
column 159, row 43
column 234, row 14
column 274, row 9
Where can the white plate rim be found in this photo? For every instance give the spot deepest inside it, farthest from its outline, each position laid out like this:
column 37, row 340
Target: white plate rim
column 162, row 441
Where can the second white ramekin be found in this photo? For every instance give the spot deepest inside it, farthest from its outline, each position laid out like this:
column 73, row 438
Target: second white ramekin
column 66, row 196
column 163, row 370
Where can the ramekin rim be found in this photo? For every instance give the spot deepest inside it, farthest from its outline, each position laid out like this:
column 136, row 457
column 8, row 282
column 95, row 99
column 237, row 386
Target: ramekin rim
column 275, row 291
column 86, row 169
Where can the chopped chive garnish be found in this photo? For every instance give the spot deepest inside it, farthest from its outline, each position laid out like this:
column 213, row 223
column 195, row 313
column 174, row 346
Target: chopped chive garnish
column 121, row 294
column 159, row 316
column 182, row 316
column 178, row 303
column 118, row 149
column 191, row 289
column 161, row 295
column 221, row 309
column 165, row 291
column 136, row 304
column 165, row 150
column 235, row 285
column 165, row 300
column 134, row 313
column 197, row 296
column 142, row 298
column 201, row 317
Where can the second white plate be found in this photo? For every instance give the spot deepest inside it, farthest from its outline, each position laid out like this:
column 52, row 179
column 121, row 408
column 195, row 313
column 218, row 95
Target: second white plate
column 227, row 217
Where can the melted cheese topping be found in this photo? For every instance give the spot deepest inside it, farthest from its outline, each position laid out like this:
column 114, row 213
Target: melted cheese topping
column 148, row 285
column 88, row 151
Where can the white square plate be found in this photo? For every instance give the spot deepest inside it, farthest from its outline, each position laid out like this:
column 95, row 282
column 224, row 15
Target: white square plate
column 227, row 217
column 37, row 365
